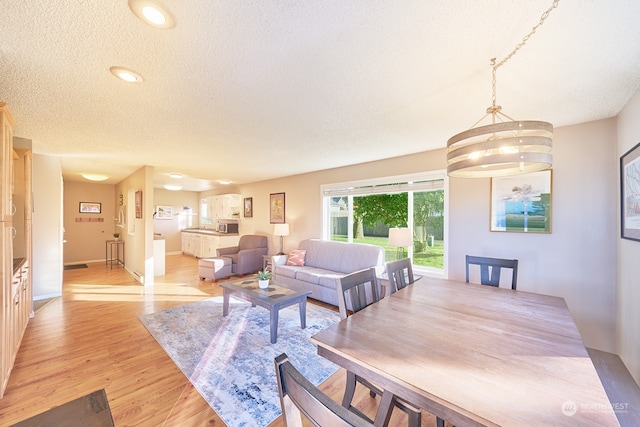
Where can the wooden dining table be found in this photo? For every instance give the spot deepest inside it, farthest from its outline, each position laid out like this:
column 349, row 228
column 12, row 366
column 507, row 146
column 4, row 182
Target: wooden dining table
column 473, row 355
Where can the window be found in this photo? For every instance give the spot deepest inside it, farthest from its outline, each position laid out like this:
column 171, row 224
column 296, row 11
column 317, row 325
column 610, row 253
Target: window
column 364, row 211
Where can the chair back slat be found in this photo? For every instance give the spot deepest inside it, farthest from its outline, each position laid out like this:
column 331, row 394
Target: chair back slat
column 299, row 396
column 400, row 274
column 357, row 291
column 490, row 269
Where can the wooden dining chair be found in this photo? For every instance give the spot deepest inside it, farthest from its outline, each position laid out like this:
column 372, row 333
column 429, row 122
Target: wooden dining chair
column 400, row 274
column 299, row 396
column 355, row 292
column 490, row 269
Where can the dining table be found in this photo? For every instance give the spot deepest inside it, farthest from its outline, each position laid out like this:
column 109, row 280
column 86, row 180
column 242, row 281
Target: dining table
column 473, row 355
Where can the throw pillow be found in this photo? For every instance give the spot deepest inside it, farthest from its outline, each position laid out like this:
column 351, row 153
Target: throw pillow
column 296, row 257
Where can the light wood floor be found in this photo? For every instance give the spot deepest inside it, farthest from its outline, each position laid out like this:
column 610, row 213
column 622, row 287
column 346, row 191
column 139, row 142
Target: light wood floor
column 91, row 338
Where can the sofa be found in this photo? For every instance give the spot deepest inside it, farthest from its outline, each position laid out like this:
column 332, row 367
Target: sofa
column 324, row 263
column 247, row 256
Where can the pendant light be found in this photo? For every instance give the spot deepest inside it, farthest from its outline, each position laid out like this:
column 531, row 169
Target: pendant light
column 506, row 146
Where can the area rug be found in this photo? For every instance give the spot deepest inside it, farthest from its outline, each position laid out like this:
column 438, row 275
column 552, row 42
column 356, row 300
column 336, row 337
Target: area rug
column 90, row 410
column 229, row 360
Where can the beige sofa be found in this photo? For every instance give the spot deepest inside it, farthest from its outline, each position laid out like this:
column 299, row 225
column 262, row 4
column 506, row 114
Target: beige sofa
column 325, row 262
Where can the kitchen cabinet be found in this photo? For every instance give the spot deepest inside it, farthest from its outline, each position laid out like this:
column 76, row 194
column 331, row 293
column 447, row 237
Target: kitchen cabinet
column 225, row 206
column 204, row 245
column 15, row 245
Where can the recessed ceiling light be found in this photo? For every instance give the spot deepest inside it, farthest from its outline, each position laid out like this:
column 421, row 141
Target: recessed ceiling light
column 126, row 74
column 153, row 13
column 224, row 182
column 95, row 177
column 175, row 175
column 173, row 187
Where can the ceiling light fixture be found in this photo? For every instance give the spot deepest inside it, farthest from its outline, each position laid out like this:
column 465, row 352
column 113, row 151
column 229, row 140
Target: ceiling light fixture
column 503, row 147
column 126, row 74
column 173, row 187
column 175, row 175
column 153, row 13
column 95, row 177
column 224, row 182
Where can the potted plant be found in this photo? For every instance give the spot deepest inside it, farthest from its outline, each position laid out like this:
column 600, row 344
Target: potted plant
column 116, row 236
column 263, row 278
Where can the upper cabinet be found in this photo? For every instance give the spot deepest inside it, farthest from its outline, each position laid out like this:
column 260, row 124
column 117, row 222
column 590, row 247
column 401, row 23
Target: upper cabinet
column 225, row 206
column 6, row 162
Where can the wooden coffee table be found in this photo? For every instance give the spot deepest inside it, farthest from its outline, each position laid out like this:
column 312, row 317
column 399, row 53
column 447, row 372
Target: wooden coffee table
column 272, row 298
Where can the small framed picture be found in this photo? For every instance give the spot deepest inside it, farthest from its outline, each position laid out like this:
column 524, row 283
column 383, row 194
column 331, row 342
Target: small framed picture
column 248, row 207
column 139, row 204
column 276, row 208
column 164, row 212
column 90, row 207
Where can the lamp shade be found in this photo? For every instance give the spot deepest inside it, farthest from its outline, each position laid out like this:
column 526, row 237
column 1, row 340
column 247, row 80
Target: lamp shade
column 400, row 237
column 281, row 230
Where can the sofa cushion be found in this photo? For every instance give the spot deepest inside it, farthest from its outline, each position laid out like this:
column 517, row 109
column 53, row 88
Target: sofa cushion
column 296, row 257
column 340, row 256
column 287, row 271
column 317, row 276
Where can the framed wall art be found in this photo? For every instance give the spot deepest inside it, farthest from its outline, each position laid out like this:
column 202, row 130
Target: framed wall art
column 248, row 207
column 139, row 204
column 90, row 207
column 164, row 212
column 630, row 194
column 276, row 208
column 521, row 203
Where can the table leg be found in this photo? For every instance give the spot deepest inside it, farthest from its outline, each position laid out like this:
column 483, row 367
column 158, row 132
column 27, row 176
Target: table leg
column 273, row 324
column 303, row 312
column 384, row 409
column 225, row 303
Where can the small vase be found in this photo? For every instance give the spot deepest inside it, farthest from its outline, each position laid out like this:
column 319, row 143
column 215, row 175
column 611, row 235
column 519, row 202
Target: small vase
column 263, row 284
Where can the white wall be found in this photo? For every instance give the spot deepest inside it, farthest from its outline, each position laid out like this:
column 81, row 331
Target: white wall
column 628, row 255
column 47, row 227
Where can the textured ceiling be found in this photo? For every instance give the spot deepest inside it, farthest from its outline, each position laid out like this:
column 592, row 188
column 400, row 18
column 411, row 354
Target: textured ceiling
column 252, row 90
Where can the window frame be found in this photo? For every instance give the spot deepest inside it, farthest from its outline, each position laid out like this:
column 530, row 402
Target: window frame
column 387, row 185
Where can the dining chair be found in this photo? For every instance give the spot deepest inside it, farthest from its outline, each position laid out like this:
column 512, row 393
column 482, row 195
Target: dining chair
column 400, row 274
column 490, row 269
column 355, row 292
column 299, row 396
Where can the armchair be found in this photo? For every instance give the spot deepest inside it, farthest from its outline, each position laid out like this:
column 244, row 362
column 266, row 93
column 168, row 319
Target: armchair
column 247, row 256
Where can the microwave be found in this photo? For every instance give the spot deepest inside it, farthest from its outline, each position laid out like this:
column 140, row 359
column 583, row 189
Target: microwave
column 228, row 228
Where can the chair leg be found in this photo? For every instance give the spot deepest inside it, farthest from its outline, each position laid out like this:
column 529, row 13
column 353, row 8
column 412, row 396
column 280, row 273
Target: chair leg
column 349, row 390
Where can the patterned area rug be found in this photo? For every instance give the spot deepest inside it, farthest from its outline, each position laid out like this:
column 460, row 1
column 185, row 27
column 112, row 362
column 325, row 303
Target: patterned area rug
column 229, row 359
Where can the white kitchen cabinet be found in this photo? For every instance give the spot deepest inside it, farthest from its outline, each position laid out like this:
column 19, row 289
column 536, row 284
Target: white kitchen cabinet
column 15, row 245
column 225, row 206
column 204, row 245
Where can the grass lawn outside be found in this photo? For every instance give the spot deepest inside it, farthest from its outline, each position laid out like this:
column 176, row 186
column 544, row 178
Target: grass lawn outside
column 432, row 256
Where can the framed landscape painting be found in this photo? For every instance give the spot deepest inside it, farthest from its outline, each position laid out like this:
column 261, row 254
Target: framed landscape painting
column 630, row 194
column 522, row 203
column 164, row 212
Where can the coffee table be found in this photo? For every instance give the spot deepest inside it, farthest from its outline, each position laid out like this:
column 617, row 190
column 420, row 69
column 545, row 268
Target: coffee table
column 272, row 298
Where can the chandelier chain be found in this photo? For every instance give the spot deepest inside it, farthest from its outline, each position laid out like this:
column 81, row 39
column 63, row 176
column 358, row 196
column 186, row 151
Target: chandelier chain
column 495, row 65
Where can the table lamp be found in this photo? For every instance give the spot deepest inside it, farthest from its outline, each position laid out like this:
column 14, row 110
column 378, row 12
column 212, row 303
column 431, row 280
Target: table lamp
column 281, row 230
column 400, row 237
